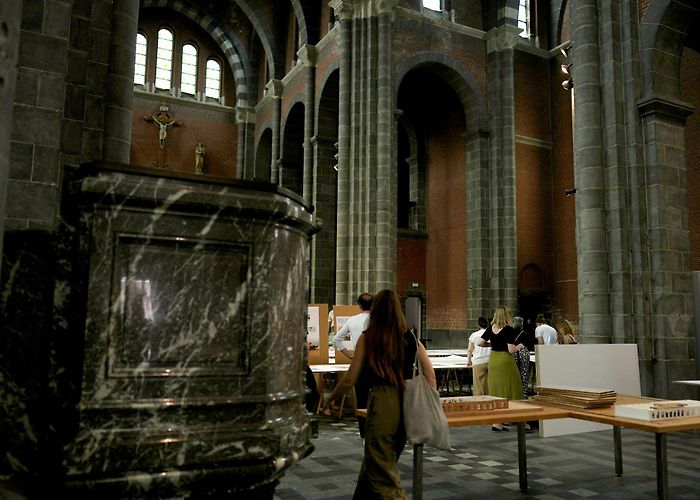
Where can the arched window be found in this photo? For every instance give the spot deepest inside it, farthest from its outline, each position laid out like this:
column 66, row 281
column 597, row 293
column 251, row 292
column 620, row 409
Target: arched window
column 164, row 59
column 188, row 74
column 140, row 63
column 523, row 17
column 213, row 79
column 433, row 5
column 174, row 60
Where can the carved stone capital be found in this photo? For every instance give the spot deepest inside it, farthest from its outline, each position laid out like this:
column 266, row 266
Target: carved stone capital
column 502, row 38
column 245, row 114
column 274, row 88
column 308, row 55
column 343, row 9
column 384, row 6
column 324, row 142
column 676, row 111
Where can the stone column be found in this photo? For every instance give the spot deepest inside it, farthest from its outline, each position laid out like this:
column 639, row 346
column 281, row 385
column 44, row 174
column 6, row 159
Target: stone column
column 324, row 191
column 245, row 165
column 274, row 88
column 386, row 180
column 589, row 175
column 10, row 18
column 307, row 56
column 343, row 10
column 478, row 225
column 120, row 91
column 503, row 261
column 367, row 240
column 671, row 292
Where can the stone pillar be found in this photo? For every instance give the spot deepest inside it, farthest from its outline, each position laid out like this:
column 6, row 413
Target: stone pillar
column 324, row 193
column 10, row 17
column 503, row 260
column 245, row 163
column 367, row 239
column 189, row 387
column 386, row 180
column 478, row 226
column 671, row 292
column 274, row 89
column 307, row 56
column 343, row 11
column 589, row 175
column 120, row 90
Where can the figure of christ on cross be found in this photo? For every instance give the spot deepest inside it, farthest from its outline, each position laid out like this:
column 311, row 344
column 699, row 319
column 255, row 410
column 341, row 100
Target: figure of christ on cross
column 163, row 120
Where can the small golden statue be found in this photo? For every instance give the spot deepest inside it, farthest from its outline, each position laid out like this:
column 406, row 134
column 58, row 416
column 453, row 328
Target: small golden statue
column 199, row 152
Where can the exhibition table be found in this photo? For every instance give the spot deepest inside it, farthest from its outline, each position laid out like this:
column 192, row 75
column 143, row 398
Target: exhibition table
column 660, row 428
column 520, row 412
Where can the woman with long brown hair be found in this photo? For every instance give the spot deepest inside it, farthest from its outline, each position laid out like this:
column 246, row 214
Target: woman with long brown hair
column 383, row 359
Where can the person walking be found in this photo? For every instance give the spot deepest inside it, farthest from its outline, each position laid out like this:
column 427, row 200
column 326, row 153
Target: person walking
column 383, row 357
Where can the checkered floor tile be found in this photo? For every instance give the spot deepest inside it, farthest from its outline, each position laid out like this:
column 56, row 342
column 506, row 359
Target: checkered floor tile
column 485, row 464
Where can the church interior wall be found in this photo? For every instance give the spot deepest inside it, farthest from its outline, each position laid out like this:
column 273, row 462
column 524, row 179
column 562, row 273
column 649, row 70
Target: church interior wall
column 59, row 121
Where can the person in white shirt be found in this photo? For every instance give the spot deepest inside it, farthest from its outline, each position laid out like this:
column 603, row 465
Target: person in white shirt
column 353, row 327
column 544, row 333
column 478, row 359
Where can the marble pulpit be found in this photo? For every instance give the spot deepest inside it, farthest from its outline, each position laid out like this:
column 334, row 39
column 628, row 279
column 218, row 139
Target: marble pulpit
column 192, row 294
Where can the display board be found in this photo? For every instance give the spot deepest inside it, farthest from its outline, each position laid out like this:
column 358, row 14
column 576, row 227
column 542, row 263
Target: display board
column 341, row 315
column 595, row 366
column 317, row 326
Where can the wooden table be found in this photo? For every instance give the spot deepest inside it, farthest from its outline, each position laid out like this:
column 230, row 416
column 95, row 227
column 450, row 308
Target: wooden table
column 660, row 428
column 517, row 412
column 520, row 411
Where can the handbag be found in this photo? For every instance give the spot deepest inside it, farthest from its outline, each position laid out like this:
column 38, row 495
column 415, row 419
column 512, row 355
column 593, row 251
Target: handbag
column 424, row 420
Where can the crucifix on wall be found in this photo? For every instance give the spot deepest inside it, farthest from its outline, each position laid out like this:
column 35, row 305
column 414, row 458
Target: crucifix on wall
column 163, row 120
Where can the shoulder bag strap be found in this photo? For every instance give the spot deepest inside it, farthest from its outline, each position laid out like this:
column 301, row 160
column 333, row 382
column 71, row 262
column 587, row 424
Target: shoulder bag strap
column 416, row 364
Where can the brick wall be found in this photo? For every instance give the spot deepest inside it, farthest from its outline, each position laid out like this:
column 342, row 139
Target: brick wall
column 534, row 216
column 446, row 254
column 690, row 74
column 214, row 126
column 410, row 263
column 563, row 206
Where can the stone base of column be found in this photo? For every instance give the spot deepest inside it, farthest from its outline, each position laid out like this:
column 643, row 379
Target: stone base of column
column 657, row 378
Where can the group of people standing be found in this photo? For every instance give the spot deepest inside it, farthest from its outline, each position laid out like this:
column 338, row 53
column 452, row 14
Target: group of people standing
column 499, row 353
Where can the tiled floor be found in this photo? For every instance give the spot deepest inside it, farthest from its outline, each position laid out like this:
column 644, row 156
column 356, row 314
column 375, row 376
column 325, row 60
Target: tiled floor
column 484, row 464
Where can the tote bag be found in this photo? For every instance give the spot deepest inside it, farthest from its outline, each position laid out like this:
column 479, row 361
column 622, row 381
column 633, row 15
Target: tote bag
column 424, row 420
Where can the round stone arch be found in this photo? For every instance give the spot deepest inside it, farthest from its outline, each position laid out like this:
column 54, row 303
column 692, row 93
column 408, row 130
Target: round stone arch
column 457, row 77
column 289, row 107
column 662, row 34
column 328, row 72
column 232, row 48
column 266, row 37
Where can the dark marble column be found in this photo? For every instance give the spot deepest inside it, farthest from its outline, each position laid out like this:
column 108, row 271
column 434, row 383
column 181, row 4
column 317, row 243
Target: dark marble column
column 194, row 296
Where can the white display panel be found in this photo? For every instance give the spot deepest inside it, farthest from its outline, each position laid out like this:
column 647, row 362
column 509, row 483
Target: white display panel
column 595, row 366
